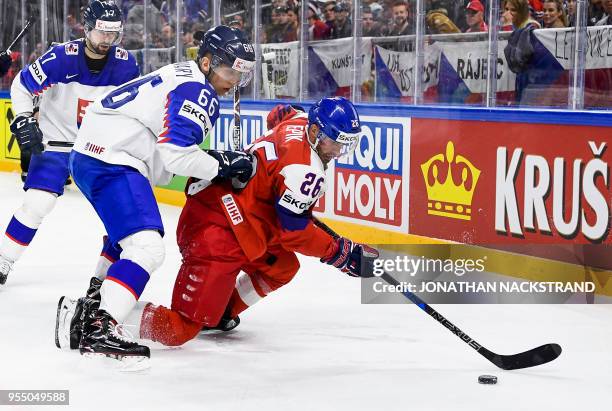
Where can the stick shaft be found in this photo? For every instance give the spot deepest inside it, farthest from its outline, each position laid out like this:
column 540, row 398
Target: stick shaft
column 20, row 35
column 237, row 132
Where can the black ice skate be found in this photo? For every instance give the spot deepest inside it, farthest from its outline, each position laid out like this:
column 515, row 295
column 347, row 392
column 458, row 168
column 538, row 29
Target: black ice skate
column 5, row 268
column 225, row 324
column 69, row 320
column 94, row 288
column 102, row 337
column 70, row 316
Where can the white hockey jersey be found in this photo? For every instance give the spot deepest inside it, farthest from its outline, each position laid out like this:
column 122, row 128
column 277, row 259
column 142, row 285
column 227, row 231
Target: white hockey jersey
column 66, row 86
column 155, row 124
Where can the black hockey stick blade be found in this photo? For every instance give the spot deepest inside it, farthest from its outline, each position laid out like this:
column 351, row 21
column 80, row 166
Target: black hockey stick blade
column 532, row 358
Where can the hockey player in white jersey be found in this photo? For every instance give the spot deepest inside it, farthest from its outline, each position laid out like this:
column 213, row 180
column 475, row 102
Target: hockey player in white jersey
column 139, row 135
column 67, row 78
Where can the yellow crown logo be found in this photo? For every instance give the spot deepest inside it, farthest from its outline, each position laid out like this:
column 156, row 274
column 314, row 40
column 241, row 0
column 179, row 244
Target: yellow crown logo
column 445, row 198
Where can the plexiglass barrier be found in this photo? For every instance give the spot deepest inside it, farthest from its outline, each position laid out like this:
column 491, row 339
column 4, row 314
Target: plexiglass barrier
column 478, row 53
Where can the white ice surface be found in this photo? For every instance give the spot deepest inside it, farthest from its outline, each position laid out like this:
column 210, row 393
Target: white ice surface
column 309, row 346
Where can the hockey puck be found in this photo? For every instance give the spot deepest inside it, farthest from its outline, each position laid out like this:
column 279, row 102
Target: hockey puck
column 487, row 379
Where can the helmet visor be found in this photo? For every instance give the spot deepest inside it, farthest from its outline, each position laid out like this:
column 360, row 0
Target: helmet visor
column 239, row 74
column 344, row 144
column 107, row 33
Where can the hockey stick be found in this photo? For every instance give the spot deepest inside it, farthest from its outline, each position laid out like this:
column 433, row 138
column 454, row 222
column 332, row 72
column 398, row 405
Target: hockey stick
column 22, row 33
column 536, row 356
column 237, row 134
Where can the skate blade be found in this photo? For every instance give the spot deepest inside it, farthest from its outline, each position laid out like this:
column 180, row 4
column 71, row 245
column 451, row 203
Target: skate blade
column 128, row 364
column 65, row 311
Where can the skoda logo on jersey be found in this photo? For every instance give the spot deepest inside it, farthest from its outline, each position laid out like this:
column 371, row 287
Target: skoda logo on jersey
column 195, row 113
column 291, row 203
column 37, row 72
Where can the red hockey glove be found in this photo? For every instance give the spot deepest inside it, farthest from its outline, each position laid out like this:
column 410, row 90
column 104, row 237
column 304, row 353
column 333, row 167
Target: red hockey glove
column 354, row 259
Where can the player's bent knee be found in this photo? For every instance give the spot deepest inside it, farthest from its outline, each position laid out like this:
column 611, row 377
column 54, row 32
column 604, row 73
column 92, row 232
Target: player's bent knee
column 37, row 205
column 167, row 326
column 145, row 248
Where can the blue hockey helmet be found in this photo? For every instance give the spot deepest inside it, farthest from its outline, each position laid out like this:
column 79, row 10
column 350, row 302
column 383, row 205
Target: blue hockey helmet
column 102, row 24
column 232, row 56
column 338, row 120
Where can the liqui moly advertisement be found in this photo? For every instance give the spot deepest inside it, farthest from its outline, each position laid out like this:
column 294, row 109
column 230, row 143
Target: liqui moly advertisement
column 369, row 187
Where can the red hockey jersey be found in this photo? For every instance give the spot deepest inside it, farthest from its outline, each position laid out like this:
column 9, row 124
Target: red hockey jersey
column 275, row 206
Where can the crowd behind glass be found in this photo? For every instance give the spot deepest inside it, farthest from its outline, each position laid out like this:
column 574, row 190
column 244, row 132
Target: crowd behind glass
column 162, row 31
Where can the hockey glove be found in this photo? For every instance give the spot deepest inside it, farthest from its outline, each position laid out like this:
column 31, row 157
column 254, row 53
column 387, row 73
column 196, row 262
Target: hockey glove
column 28, row 134
column 282, row 112
column 5, row 63
column 234, row 165
column 354, row 259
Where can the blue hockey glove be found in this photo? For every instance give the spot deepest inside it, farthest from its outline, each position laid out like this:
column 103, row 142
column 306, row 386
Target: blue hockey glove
column 354, row 259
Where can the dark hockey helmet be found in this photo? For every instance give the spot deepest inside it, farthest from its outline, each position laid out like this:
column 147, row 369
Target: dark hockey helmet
column 338, row 120
column 232, row 56
column 103, row 25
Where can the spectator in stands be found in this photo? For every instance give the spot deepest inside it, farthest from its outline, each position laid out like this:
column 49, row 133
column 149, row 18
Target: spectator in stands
column 134, row 31
column 438, row 22
column 401, row 20
column 454, row 9
column 607, row 18
column 531, row 71
column 196, row 10
column 292, row 25
column 75, row 28
column 505, row 20
column 343, row 27
column 329, row 13
column 275, row 33
column 237, row 22
column 554, row 14
column 474, row 15
column 518, row 12
column 187, row 35
column 536, row 10
column 167, row 36
column 38, row 51
column 596, row 12
column 317, row 30
column 571, row 13
column 377, row 11
column 370, row 28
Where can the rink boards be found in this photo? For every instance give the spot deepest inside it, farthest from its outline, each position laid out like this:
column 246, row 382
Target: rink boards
column 502, row 178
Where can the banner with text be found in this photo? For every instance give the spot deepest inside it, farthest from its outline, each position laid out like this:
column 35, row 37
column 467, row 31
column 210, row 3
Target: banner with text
column 494, row 182
column 331, row 66
column 285, row 67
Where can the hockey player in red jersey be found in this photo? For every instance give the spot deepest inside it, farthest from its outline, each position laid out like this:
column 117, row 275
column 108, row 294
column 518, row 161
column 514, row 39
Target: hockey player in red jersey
column 259, row 229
